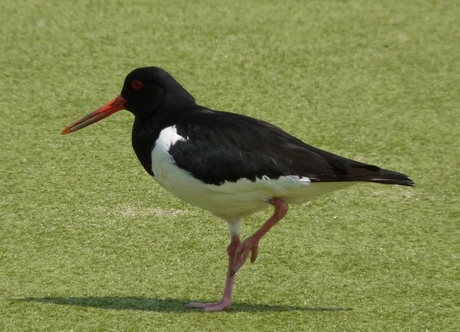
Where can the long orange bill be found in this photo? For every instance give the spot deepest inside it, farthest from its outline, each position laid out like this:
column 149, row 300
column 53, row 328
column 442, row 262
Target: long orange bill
column 108, row 109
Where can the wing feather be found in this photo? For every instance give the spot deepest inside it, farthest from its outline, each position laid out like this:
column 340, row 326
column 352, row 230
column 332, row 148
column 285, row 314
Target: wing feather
column 222, row 147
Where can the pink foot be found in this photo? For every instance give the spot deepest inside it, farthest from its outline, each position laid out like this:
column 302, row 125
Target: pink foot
column 250, row 245
column 219, row 306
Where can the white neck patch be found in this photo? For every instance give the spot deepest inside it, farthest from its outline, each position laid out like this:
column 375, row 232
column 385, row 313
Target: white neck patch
column 167, row 138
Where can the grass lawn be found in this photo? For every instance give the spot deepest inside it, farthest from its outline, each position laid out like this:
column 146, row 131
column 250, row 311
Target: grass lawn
column 89, row 242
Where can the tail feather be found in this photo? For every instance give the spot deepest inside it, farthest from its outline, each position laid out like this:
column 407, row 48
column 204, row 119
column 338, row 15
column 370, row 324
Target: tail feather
column 391, row 177
column 344, row 169
column 360, row 172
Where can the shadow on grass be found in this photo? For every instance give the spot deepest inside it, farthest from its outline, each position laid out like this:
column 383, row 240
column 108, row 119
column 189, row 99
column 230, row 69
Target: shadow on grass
column 162, row 305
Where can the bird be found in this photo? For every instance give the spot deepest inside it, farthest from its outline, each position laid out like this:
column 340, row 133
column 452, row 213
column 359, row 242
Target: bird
column 227, row 163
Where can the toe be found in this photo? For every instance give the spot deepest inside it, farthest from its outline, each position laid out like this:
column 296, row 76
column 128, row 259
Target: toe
column 219, row 306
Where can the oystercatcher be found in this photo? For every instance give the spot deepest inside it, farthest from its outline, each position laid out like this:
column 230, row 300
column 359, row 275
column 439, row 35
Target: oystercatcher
column 229, row 164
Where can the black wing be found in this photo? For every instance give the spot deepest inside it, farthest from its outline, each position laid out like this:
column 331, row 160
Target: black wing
column 224, row 146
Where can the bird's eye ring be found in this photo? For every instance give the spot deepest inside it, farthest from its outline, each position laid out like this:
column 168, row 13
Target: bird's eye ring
column 136, row 84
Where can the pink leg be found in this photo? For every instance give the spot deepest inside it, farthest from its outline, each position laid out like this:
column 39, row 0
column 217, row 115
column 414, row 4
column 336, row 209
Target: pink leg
column 252, row 242
column 238, row 253
column 226, row 301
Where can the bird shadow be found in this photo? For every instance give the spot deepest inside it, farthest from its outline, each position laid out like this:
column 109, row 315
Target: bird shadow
column 163, row 305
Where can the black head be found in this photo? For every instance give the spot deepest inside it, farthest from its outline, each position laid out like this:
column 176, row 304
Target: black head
column 151, row 89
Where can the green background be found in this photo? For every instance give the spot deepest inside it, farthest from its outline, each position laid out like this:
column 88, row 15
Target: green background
column 89, row 242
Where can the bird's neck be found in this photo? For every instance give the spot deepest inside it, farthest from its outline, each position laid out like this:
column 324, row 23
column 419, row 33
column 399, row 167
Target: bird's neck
column 146, row 130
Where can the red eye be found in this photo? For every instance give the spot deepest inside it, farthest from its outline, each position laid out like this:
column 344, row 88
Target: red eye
column 136, row 84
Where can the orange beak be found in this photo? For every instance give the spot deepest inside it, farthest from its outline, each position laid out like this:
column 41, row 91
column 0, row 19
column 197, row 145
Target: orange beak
column 111, row 107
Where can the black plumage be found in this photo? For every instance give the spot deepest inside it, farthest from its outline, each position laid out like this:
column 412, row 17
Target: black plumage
column 224, row 146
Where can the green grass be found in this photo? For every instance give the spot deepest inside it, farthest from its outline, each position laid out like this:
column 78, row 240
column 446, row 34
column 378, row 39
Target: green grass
column 90, row 243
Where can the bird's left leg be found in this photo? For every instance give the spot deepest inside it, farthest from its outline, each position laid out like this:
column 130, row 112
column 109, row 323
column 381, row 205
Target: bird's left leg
column 252, row 242
column 226, row 301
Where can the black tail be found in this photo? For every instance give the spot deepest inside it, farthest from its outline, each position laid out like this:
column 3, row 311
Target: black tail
column 344, row 169
column 355, row 171
column 386, row 176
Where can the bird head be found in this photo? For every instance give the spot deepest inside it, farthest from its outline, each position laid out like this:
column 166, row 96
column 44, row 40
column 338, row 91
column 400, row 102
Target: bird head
column 146, row 91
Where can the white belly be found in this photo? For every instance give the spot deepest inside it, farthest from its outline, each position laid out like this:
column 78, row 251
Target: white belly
column 231, row 199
